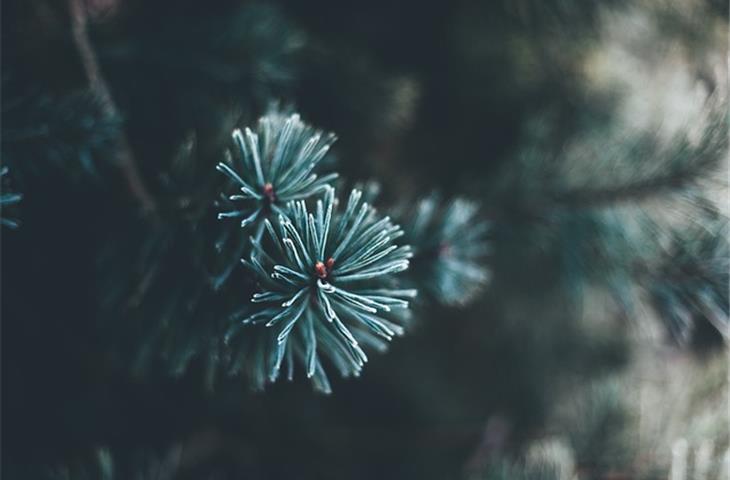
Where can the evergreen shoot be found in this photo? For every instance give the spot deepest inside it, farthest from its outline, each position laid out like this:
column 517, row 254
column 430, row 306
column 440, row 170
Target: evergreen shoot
column 274, row 166
column 326, row 285
column 449, row 249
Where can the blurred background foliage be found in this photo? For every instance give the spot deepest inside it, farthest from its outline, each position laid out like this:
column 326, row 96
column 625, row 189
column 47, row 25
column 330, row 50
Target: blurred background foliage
column 592, row 134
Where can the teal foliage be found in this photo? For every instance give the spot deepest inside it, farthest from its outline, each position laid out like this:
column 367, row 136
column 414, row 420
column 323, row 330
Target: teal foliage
column 102, row 464
column 450, row 249
column 325, row 281
column 69, row 134
column 7, row 199
column 688, row 286
column 275, row 165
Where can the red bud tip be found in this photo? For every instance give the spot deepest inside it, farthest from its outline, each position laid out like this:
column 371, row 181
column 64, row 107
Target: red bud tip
column 269, row 192
column 321, row 270
column 324, row 269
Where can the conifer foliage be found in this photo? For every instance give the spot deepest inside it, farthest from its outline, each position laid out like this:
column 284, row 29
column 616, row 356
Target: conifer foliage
column 275, row 166
column 7, row 199
column 325, row 273
column 320, row 272
column 450, row 248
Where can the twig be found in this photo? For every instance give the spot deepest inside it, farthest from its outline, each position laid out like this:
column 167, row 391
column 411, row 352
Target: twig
column 98, row 86
column 634, row 191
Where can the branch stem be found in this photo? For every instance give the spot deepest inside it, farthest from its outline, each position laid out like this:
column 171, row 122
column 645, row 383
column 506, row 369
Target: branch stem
column 97, row 84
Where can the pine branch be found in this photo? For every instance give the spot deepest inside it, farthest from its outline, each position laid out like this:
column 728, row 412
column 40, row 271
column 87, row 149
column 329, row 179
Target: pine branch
column 606, row 168
column 686, row 166
column 340, row 301
column 690, row 283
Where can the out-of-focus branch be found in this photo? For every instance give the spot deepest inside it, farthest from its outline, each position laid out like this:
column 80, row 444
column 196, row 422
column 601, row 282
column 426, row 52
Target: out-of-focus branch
column 125, row 158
